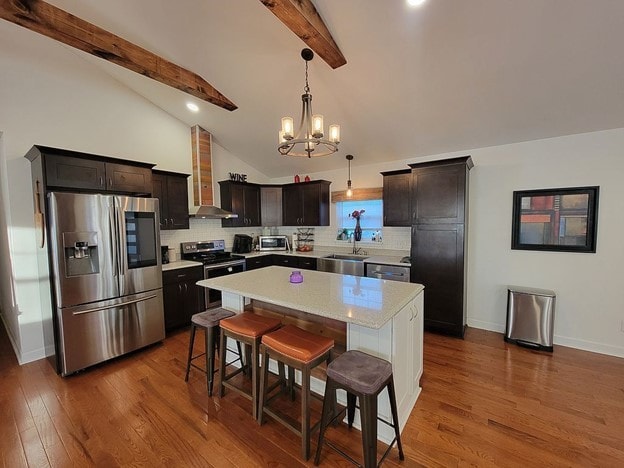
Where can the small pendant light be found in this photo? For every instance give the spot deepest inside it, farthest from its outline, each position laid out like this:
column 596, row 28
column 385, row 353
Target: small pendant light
column 349, row 191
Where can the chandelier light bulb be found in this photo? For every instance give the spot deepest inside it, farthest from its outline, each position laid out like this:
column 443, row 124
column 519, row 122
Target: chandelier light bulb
column 334, row 133
column 287, row 127
column 317, row 126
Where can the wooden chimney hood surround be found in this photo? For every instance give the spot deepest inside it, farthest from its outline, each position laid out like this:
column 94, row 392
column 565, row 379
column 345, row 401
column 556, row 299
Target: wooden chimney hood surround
column 66, row 28
column 201, row 150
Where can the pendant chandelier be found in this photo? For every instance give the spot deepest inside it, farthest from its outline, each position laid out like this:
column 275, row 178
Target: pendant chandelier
column 310, row 138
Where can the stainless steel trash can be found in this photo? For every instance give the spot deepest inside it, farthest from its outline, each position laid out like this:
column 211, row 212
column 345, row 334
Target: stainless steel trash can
column 530, row 317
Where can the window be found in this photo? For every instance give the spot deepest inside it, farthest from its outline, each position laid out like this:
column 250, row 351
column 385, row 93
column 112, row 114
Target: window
column 371, row 220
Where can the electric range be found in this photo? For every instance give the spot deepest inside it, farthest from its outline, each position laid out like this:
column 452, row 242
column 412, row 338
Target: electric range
column 217, row 262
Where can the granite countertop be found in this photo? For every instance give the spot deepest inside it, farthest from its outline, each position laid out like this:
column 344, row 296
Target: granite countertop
column 364, row 301
column 180, row 264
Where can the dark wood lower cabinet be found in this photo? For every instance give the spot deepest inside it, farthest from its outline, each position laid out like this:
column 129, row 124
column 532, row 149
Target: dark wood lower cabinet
column 295, row 261
column 261, row 261
column 438, row 263
column 182, row 297
column 292, row 261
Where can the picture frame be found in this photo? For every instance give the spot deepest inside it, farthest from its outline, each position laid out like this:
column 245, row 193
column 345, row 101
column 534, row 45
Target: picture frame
column 556, row 219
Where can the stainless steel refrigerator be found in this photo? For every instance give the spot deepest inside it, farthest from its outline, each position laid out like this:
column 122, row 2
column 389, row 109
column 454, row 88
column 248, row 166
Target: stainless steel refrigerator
column 107, row 276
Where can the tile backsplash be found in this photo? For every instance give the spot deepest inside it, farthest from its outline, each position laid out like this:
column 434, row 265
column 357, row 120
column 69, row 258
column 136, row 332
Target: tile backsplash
column 394, row 238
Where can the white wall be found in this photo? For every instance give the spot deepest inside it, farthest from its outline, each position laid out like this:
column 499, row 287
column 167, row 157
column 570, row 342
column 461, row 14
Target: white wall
column 589, row 310
column 53, row 97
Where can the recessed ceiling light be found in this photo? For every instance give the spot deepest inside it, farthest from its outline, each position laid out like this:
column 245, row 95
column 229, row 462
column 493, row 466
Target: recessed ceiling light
column 192, row 107
column 415, row 3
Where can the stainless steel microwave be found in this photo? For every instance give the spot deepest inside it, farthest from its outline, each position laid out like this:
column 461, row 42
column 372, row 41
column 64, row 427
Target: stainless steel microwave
column 272, row 243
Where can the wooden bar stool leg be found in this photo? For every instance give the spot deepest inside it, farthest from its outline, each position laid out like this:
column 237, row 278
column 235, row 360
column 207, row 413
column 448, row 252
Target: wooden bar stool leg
column 210, row 350
column 190, row 353
column 326, row 416
column 368, row 418
column 350, row 408
column 255, row 387
column 263, row 383
column 395, row 418
column 291, row 382
column 305, row 412
column 222, row 353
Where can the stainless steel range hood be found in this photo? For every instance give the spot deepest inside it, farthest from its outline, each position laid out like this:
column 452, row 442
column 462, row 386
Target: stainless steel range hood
column 213, row 212
column 201, row 143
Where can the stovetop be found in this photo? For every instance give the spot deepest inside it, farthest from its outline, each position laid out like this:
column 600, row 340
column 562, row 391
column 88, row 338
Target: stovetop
column 207, row 252
column 213, row 257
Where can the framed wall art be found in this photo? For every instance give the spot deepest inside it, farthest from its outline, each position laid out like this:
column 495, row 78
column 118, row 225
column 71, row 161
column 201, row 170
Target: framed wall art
column 558, row 219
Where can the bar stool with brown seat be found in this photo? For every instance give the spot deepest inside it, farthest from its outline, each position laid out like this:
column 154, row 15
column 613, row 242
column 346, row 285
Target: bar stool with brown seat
column 209, row 322
column 247, row 328
column 301, row 350
column 362, row 376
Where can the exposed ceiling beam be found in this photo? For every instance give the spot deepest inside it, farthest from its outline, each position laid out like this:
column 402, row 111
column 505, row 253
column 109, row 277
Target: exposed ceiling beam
column 64, row 27
column 301, row 17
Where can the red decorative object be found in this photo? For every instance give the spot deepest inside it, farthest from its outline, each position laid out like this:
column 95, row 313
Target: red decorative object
column 307, row 179
column 297, row 179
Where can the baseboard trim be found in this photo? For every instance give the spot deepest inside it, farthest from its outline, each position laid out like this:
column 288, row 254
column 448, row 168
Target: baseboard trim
column 617, row 351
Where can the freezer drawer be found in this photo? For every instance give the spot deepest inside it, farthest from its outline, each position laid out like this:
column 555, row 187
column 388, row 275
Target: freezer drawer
column 530, row 317
column 99, row 331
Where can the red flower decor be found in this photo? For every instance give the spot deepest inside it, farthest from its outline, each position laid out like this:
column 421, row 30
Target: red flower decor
column 356, row 214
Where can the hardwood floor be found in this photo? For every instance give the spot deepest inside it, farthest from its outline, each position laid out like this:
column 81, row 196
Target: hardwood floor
column 484, row 403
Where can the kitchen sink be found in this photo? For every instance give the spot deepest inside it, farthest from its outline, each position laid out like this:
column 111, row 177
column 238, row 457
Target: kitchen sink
column 357, row 258
column 344, row 264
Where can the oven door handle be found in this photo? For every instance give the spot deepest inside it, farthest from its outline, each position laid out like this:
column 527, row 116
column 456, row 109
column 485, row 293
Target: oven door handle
column 381, row 274
column 218, row 266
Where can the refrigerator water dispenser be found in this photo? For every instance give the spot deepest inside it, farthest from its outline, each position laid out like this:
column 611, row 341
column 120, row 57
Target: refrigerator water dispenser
column 81, row 253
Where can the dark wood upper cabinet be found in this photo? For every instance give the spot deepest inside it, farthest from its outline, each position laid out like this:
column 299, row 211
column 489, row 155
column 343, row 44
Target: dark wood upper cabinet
column 171, row 189
column 439, row 191
column 271, row 205
column 71, row 170
column 306, row 203
column 128, row 179
column 397, row 198
column 440, row 221
column 243, row 199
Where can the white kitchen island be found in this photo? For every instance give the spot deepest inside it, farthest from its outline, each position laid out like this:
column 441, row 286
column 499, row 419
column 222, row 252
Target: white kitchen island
column 383, row 318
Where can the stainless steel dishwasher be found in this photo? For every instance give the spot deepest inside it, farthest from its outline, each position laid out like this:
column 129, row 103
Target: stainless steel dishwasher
column 388, row 272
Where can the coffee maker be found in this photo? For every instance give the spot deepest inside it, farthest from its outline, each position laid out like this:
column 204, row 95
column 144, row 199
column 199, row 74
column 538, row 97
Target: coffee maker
column 242, row 243
column 164, row 252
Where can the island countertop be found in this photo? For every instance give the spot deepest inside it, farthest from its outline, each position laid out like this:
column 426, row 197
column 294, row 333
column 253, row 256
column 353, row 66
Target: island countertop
column 368, row 302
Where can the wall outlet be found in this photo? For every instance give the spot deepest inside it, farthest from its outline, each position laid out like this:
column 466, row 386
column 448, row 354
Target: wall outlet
column 622, row 326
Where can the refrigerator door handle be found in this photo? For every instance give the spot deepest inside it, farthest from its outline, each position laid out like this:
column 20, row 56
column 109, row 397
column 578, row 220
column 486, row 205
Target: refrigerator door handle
column 112, row 233
column 120, row 244
column 121, row 304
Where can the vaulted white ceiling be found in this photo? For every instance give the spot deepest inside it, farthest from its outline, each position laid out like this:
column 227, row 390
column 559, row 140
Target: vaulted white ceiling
column 451, row 75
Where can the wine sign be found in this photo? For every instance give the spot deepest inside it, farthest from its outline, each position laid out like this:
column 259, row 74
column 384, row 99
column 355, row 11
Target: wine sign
column 238, row 177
